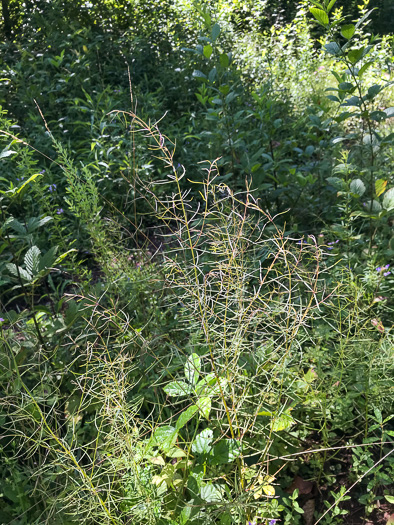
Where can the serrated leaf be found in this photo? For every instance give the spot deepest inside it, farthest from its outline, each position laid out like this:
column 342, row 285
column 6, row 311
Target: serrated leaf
column 357, row 187
column 347, row 31
column 202, row 443
column 192, row 368
column 210, row 493
column 48, row 259
column 177, row 388
column 12, row 268
column 186, row 416
column 32, row 259
column 226, row 451
column 215, row 32
column 380, row 187
column 320, row 15
column 388, row 200
column 373, row 207
column 17, row 226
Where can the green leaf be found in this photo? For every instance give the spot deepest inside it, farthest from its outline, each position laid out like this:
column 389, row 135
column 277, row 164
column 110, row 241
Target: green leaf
column 208, row 50
column 199, row 74
column 388, row 200
column 202, row 443
column 374, row 90
column 390, row 499
column 186, row 416
column 331, row 5
column 215, row 32
column 224, row 60
column 30, row 179
column 204, row 404
column 346, row 86
column 363, row 69
column 177, row 388
column 212, row 74
column 320, row 15
column 372, row 207
column 226, row 451
column 17, row 226
column 347, row 31
column 192, row 368
column 352, row 102
column 32, row 259
column 48, row 260
column 211, row 493
column 282, row 422
column 355, row 55
column 357, row 187
column 6, row 153
column 12, row 268
column 165, row 437
column 333, row 48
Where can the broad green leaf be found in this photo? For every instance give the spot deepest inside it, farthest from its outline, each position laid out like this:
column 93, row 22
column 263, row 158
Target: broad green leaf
column 211, row 493
column 215, row 32
column 32, row 259
column 48, row 260
column 347, row 31
column 192, row 368
column 282, row 422
column 17, row 226
column 388, row 200
column 346, row 86
column 373, row 207
column 355, row 55
column 186, row 416
column 165, row 437
column 199, row 74
column 208, row 51
column 202, row 443
column 12, row 268
column 332, row 48
column 357, row 187
column 374, row 90
column 380, row 187
column 204, row 405
column 390, row 499
column 226, row 451
column 224, row 60
column 352, row 102
column 320, row 15
column 177, row 388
